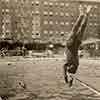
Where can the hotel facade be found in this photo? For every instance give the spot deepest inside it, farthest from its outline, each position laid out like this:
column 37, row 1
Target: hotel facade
column 45, row 20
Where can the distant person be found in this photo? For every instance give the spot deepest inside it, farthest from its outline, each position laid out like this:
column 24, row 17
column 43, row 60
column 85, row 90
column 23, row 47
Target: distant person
column 72, row 46
column 24, row 51
column 2, row 52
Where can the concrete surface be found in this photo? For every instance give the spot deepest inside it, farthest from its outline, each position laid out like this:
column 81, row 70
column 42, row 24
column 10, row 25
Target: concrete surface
column 44, row 79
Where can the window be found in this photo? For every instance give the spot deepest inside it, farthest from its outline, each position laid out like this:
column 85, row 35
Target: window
column 95, row 24
column 32, row 3
column 51, row 4
column 50, row 22
column 56, row 13
column 80, row 6
column 62, row 14
column 67, row 32
column 56, row 22
column 62, row 23
column 95, row 15
column 6, row 0
column 66, row 14
column 3, row 10
column 7, row 31
column 3, row 26
column 45, row 13
column 45, row 22
column 37, row 2
column 66, row 4
column 61, row 4
column 45, row 3
column 3, row 36
column 72, row 23
column 45, row 32
column 90, row 24
column 7, row 21
column 51, row 32
column 56, row 4
column 7, row 10
column 37, row 12
column 57, row 32
column 50, row 13
column 67, row 23
column 62, row 33
column 91, row 15
column 32, row 12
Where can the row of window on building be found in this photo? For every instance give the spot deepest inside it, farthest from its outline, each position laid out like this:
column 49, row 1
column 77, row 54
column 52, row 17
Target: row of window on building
column 64, row 23
column 48, row 3
column 36, row 23
column 64, row 4
column 55, row 32
column 45, row 3
column 50, row 13
column 55, row 22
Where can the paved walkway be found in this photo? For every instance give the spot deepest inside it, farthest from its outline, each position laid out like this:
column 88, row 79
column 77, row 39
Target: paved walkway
column 89, row 72
column 44, row 79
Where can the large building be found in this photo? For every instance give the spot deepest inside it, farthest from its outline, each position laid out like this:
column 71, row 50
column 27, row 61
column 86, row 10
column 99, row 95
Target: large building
column 6, row 28
column 45, row 20
column 59, row 17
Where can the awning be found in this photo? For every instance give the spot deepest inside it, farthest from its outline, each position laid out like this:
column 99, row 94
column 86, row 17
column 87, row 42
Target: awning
column 90, row 41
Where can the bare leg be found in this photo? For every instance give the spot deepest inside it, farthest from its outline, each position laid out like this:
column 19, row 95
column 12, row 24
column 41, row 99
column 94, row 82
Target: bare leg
column 75, row 27
column 77, row 24
column 83, row 24
column 65, row 73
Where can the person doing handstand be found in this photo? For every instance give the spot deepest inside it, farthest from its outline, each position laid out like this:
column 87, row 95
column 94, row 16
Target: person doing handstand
column 72, row 45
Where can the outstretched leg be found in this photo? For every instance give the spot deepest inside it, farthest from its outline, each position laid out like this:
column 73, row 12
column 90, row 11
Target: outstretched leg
column 83, row 24
column 77, row 24
column 73, row 34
